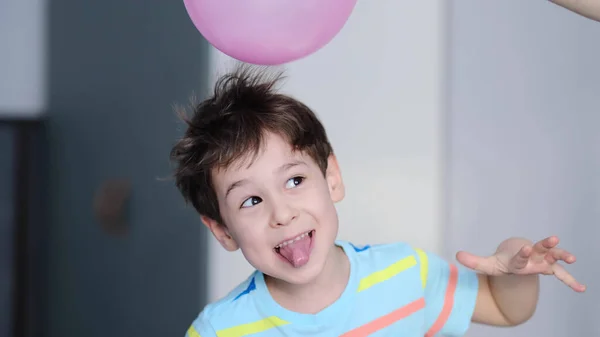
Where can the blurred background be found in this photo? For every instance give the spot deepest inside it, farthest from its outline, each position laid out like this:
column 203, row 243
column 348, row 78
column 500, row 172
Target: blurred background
column 457, row 125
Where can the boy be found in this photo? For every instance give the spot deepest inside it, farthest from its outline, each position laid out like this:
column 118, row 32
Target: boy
column 259, row 169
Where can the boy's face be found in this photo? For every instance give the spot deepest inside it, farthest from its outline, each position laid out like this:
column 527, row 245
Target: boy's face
column 279, row 211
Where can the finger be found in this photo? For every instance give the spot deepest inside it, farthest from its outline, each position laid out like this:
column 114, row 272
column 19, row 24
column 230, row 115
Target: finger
column 521, row 259
column 557, row 254
column 486, row 265
column 543, row 246
column 562, row 274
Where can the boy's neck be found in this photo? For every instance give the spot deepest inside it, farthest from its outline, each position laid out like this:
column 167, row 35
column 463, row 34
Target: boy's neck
column 319, row 294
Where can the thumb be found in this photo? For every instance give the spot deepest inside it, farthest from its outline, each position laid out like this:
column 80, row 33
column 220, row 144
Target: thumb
column 481, row 264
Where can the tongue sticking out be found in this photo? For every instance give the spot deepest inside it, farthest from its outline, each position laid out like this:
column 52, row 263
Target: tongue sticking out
column 297, row 252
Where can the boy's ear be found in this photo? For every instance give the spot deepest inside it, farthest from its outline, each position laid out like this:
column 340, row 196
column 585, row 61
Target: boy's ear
column 333, row 175
column 221, row 233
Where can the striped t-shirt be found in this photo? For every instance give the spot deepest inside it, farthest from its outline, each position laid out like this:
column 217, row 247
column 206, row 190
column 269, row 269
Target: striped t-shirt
column 393, row 290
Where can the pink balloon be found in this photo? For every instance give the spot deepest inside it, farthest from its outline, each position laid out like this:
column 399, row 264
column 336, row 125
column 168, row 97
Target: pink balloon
column 269, row 32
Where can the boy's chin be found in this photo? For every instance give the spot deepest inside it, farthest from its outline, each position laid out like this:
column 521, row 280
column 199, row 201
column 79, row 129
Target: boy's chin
column 298, row 279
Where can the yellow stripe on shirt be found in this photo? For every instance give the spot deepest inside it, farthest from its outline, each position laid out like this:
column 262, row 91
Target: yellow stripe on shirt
column 423, row 262
column 192, row 332
column 251, row 328
column 387, row 273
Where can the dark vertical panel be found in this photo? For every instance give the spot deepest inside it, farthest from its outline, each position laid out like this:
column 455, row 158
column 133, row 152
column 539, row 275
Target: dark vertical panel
column 38, row 227
column 21, row 299
column 23, row 228
column 6, row 228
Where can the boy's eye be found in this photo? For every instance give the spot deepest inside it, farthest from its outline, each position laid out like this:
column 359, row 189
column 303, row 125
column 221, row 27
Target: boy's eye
column 293, row 182
column 251, row 202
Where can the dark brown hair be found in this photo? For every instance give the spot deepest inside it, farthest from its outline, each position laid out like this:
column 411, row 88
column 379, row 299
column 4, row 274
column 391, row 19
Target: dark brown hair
column 229, row 127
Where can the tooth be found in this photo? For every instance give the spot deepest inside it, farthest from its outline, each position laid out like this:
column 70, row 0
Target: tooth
column 299, row 237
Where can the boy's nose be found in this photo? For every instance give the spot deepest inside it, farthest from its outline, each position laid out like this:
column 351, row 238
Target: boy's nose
column 283, row 214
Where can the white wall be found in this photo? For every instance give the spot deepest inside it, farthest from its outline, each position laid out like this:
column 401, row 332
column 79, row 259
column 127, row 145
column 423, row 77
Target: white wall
column 524, row 145
column 22, row 58
column 376, row 87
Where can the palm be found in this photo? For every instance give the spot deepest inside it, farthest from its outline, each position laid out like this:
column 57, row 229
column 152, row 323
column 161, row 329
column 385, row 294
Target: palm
column 540, row 258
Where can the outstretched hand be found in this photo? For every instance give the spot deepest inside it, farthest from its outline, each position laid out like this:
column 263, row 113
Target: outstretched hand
column 520, row 257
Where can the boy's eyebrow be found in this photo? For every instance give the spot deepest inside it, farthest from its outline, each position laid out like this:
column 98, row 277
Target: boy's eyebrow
column 234, row 186
column 288, row 166
column 282, row 168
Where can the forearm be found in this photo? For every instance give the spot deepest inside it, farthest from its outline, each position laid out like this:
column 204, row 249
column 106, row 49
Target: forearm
column 587, row 8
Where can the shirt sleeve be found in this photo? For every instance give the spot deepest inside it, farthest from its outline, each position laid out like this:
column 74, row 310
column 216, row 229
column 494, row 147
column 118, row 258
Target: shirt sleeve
column 450, row 294
column 201, row 327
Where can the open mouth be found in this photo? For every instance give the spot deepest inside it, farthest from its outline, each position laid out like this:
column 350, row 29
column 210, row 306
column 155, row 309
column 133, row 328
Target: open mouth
column 296, row 251
column 298, row 238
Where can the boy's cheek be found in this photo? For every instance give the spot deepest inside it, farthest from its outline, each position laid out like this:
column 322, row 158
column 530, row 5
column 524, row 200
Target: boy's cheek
column 319, row 202
column 249, row 237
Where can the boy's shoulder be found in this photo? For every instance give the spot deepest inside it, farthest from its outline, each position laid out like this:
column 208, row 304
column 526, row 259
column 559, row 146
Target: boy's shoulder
column 225, row 311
